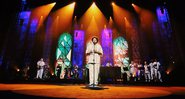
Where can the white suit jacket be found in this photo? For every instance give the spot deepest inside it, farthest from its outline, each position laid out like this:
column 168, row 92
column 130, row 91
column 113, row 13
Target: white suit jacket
column 157, row 64
column 94, row 57
column 41, row 63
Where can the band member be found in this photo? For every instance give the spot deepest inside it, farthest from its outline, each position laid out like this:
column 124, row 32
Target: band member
column 76, row 73
column 157, row 74
column 139, row 71
column 40, row 68
column 26, row 72
column 151, row 70
column 94, row 52
column 46, row 73
column 60, row 72
column 147, row 72
column 126, row 71
column 133, row 70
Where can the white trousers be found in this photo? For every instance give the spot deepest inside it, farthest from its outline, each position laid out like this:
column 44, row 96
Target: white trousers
column 40, row 73
column 152, row 74
column 93, row 73
column 157, row 75
column 147, row 77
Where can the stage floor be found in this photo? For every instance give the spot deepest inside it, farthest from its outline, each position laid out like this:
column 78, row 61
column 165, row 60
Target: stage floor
column 43, row 91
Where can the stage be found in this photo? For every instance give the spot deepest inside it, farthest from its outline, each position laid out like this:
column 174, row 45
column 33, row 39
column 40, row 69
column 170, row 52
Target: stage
column 40, row 91
column 127, row 30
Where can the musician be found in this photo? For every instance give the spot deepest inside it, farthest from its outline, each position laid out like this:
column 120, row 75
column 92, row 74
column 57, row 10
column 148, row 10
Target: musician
column 147, row 72
column 157, row 74
column 60, row 68
column 40, row 68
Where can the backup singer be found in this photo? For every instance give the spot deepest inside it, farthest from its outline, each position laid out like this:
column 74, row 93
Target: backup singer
column 40, row 68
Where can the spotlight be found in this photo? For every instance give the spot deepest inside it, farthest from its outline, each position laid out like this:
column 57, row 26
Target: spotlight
column 53, row 3
column 18, row 69
column 167, row 72
column 72, row 5
column 75, row 18
column 93, row 4
column 105, row 26
column 133, row 4
column 113, row 3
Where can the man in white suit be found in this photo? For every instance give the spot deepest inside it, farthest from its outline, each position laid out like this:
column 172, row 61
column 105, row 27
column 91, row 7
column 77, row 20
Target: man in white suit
column 94, row 52
column 157, row 74
column 40, row 68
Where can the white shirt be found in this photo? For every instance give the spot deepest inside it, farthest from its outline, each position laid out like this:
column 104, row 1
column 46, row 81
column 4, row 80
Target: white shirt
column 132, row 68
column 41, row 63
column 151, row 66
column 146, row 68
column 156, row 65
column 94, row 57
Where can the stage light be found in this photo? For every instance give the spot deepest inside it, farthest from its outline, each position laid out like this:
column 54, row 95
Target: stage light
column 93, row 5
column 62, row 19
column 113, row 3
column 119, row 14
column 52, row 4
column 167, row 72
column 105, row 26
column 110, row 18
column 125, row 18
column 18, row 69
column 127, row 23
column 40, row 22
column 40, row 13
column 93, row 21
column 72, row 5
column 136, row 8
column 110, row 24
column 147, row 18
column 170, row 68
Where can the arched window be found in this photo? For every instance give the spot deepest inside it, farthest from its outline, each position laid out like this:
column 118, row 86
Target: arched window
column 120, row 47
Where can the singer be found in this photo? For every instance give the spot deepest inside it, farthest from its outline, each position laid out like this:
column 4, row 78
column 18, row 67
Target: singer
column 94, row 52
